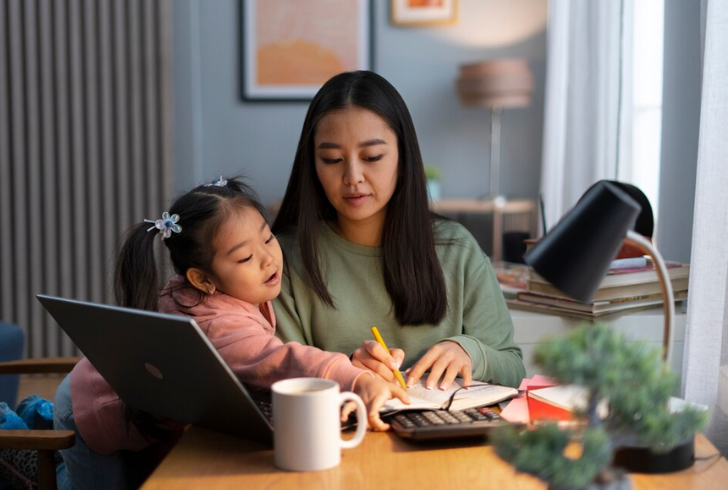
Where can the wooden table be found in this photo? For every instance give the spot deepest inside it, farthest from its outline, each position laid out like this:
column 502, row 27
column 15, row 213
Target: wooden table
column 209, row 460
column 499, row 210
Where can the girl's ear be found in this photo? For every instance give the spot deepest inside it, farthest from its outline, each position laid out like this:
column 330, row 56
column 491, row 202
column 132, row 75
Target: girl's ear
column 200, row 280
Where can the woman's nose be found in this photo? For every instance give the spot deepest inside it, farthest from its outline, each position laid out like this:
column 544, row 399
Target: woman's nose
column 353, row 173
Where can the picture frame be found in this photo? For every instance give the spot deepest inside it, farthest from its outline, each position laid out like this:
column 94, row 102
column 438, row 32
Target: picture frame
column 291, row 48
column 424, row 12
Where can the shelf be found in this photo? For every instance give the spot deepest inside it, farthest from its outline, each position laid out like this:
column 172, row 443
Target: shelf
column 499, row 210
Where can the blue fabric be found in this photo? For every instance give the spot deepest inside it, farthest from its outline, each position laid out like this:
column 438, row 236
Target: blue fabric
column 36, row 412
column 10, row 420
column 11, row 349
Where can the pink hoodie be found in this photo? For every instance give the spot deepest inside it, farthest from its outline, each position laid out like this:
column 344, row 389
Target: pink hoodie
column 243, row 335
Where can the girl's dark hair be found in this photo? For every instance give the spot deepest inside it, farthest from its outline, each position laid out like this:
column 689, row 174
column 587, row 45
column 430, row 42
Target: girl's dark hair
column 201, row 212
column 412, row 272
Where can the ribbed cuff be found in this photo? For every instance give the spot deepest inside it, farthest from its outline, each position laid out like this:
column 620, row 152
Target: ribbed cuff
column 345, row 374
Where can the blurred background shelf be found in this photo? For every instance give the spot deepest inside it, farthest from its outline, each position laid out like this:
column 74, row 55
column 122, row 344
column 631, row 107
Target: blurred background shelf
column 517, row 217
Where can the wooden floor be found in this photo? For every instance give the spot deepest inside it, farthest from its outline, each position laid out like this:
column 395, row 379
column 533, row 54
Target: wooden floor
column 44, row 385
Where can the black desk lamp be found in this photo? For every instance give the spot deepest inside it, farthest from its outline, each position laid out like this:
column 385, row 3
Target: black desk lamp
column 575, row 255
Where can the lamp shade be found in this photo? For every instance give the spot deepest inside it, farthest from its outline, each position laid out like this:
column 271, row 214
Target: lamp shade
column 645, row 223
column 575, row 255
column 495, row 83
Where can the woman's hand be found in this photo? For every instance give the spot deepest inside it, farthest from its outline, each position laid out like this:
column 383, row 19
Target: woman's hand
column 375, row 392
column 373, row 357
column 444, row 360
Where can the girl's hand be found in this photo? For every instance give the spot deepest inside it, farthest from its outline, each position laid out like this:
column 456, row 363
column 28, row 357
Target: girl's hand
column 373, row 357
column 444, row 360
column 375, row 392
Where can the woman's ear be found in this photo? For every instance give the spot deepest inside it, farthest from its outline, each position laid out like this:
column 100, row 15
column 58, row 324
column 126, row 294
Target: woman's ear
column 200, row 280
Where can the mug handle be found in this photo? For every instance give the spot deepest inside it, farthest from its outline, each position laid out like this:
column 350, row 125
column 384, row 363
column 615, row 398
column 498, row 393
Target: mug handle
column 361, row 418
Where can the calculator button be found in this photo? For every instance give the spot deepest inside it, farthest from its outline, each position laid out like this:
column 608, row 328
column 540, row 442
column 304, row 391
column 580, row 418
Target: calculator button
column 475, row 415
column 404, row 421
column 433, row 418
column 419, row 420
column 447, row 417
column 490, row 413
column 462, row 417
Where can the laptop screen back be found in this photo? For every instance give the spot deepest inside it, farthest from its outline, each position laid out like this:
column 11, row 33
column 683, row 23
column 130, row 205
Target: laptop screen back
column 161, row 364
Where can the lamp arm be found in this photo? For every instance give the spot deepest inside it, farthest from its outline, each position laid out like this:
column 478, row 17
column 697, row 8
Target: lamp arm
column 665, row 285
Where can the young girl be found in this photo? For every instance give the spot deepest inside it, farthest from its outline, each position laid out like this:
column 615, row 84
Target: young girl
column 228, row 266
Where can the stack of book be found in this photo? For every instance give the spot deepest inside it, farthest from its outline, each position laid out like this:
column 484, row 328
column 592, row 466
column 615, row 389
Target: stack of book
column 626, row 287
column 513, row 278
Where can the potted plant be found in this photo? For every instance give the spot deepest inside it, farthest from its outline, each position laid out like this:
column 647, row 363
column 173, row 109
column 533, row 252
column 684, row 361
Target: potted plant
column 433, row 175
column 636, row 385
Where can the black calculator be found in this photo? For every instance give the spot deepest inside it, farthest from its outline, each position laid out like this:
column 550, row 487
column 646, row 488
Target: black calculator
column 424, row 425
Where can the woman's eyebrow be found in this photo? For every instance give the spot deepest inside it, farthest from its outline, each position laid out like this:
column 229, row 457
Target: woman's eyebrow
column 372, row 142
column 325, row 145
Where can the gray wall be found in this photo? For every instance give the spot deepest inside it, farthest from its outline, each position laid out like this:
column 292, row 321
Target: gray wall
column 680, row 126
column 217, row 132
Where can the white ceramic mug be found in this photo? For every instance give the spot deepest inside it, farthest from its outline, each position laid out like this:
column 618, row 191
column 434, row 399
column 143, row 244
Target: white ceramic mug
column 307, row 423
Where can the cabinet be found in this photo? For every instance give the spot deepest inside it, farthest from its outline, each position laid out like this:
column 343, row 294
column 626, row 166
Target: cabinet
column 532, row 329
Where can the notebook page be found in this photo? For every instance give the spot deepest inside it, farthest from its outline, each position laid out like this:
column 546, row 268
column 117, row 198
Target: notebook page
column 478, row 394
column 485, row 394
column 421, row 397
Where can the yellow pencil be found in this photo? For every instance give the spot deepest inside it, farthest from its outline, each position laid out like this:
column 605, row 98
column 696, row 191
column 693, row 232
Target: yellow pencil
column 396, row 372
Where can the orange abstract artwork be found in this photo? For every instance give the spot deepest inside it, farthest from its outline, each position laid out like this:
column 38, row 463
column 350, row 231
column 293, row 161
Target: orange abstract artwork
column 303, row 43
column 424, row 3
column 424, row 12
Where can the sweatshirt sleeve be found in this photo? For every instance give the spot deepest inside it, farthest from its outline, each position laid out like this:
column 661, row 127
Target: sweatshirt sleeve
column 260, row 358
column 488, row 329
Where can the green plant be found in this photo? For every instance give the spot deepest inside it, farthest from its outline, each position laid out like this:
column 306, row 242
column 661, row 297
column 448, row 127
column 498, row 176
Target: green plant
column 432, row 172
column 636, row 384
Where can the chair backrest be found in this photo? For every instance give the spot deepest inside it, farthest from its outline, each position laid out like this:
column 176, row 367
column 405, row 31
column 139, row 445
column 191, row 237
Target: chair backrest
column 11, row 349
column 44, row 442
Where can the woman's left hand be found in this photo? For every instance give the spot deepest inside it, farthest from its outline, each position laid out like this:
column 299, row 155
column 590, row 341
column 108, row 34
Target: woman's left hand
column 444, row 360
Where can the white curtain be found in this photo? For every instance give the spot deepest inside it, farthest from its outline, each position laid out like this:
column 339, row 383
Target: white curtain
column 585, row 84
column 706, row 339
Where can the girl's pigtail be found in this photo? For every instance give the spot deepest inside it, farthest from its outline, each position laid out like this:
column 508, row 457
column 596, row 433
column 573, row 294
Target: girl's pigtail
column 136, row 282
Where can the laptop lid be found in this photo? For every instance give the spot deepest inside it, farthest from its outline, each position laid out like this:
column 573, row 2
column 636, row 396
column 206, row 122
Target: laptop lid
column 161, row 364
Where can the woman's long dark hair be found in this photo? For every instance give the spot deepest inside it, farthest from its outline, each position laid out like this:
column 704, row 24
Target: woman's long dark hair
column 201, row 210
column 412, row 272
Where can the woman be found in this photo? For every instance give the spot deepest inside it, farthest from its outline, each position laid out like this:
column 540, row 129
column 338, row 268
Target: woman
column 363, row 249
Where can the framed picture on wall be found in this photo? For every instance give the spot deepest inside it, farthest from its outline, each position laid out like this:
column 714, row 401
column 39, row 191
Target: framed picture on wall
column 424, row 12
column 291, row 47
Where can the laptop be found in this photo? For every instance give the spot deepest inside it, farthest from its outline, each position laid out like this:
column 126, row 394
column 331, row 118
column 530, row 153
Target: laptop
column 164, row 365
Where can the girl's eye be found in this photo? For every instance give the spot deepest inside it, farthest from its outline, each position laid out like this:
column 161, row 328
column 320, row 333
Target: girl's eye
column 246, row 259
column 270, row 239
column 373, row 159
column 331, row 161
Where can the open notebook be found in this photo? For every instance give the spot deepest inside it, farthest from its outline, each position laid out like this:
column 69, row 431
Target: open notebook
column 478, row 394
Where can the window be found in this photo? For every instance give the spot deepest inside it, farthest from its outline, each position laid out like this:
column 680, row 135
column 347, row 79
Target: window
column 640, row 161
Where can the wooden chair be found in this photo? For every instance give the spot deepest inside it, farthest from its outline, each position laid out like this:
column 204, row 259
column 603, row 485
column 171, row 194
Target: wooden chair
column 43, row 441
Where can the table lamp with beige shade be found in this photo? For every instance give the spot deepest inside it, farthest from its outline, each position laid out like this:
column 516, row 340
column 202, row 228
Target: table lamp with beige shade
column 496, row 85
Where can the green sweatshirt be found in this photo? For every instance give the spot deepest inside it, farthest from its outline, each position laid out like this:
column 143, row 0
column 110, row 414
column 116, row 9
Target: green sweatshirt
column 477, row 317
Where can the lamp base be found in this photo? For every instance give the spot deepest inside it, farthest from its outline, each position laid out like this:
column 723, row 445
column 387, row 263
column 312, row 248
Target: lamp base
column 643, row 460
